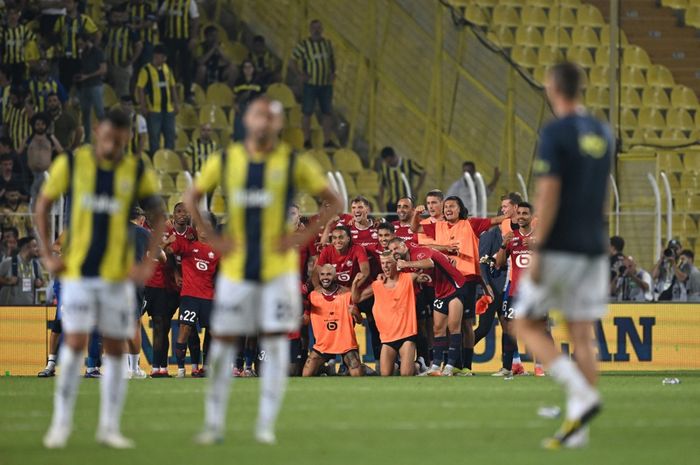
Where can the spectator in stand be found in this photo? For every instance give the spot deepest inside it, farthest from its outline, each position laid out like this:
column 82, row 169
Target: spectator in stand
column 634, row 284
column 139, row 128
column 143, row 19
column 16, row 116
column 199, row 150
column 123, row 48
column 157, row 97
column 179, row 36
column 8, row 177
column 315, row 63
column 43, row 84
column 693, row 283
column 5, row 86
column 40, row 149
column 51, row 11
column 617, row 258
column 670, row 274
column 15, row 38
column 266, row 63
column 392, row 188
column 21, row 275
column 10, row 237
column 64, row 125
column 212, row 64
column 69, row 28
column 93, row 68
column 460, row 189
column 16, row 213
column 245, row 89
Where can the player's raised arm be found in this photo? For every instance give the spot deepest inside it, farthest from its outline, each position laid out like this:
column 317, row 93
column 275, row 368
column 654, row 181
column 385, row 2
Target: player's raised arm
column 416, row 227
column 357, row 294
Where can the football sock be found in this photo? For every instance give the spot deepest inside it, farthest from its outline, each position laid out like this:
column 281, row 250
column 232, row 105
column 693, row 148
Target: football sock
column 566, row 373
column 112, row 393
column 94, row 343
column 221, row 356
column 274, row 379
column 468, row 357
column 454, row 352
column 66, row 388
column 180, row 351
column 509, row 348
column 205, row 347
column 516, row 357
column 194, row 344
column 439, row 349
column 51, row 364
column 249, row 356
column 133, row 360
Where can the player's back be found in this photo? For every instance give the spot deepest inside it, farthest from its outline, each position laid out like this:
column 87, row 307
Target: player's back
column 578, row 150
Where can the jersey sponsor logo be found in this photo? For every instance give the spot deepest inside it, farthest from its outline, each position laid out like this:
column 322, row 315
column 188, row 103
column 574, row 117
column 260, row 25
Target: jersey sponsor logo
column 593, row 145
column 375, row 235
column 348, row 263
column 523, row 260
column 252, row 198
column 100, row 203
column 421, row 256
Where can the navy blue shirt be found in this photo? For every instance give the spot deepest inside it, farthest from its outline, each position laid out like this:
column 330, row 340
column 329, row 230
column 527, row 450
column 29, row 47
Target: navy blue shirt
column 489, row 244
column 578, row 150
column 141, row 238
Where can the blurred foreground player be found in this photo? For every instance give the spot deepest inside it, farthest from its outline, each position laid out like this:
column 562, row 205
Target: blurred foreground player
column 257, row 290
column 569, row 270
column 97, row 261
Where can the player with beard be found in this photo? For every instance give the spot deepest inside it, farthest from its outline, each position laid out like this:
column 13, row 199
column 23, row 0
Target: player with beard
column 333, row 322
column 347, row 258
column 402, row 227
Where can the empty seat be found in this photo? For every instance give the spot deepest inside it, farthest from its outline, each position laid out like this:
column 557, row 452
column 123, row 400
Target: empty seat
column 109, row 97
column 599, row 76
column 516, row 3
column 589, row 15
column 692, row 16
column 539, row 73
column 200, row 98
column 675, row 4
column 294, row 137
column 605, row 36
column 633, row 77
column 636, row 56
column 660, row 76
column 166, row 184
column 505, row 15
column 556, row 36
column 651, row 118
column 561, row 16
column 502, row 36
column 220, row 94
column 684, row 97
column 549, row 55
column 655, row 97
column 679, row 118
column 234, row 51
column 672, row 136
column 541, row 3
column 585, row 36
column 629, row 98
column 628, row 121
column 524, row 56
column 580, row 55
column 475, row 14
column 283, row 93
column 528, row 35
column 167, row 161
column 367, row 182
column 321, row 158
column 534, row 16
column 669, row 162
column 598, row 97
column 214, row 115
column 347, row 161
column 187, row 117
column 183, row 181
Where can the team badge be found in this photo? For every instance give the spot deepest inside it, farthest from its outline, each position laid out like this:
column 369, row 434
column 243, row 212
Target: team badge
column 348, row 263
column 210, row 255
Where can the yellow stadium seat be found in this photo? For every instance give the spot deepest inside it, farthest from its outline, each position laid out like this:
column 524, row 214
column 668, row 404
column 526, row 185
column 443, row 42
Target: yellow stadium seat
column 231, row 116
column 534, row 16
column 689, row 179
column 630, row 98
column 213, row 115
column 182, row 141
column 692, row 16
column 529, row 36
column 679, row 118
column 598, row 97
column 692, row 207
column 283, row 93
column 588, row 15
column 147, row 160
column 350, row 186
column 561, row 16
column 234, row 51
column 600, row 114
column 684, row 97
column 675, row 4
column 200, row 98
column 167, row 161
column 673, row 137
column 347, row 161
column 584, row 36
column 570, row 3
column 539, row 73
column 636, row 56
column 166, row 184
column 187, row 117
column 502, row 36
column 556, row 36
column 541, row 3
column 655, row 97
column 628, row 121
column 669, row 162
column 524, row 56
column 548, row 55
column 660, row 76
column 691, row 162
column 294, row 117
column 599, row 76
column 182, row 182
column 605, row 36
column 220, row 94
column 633, row 77
column 294, row 137
column 505, row 15
column 651, row 118
column 307, row 204
column 218, row 205
column 322, row 158
column 516, row 3
column 172, row 201
column 367, row 182
column 485, row 3
column 642, row 136
column 475, row 14
column 109, row 97
column 580, row 55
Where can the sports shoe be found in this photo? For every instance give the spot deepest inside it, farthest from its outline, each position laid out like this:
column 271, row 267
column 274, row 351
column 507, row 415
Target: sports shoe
column 56, row 437
column 209, row 437
column 519, row 370
column 236, row 373
column 180, row 373
column 448, row 370
column 539, row 371
column 114, row 440
column 434, row 370
column 47, row 372
column 502, row 373
column 93, row 374
column 249, row 373
column 265, row 435
column 138, row 373
column 160, row 374
column 199, row 373
column 462, row 372
column 570, row 433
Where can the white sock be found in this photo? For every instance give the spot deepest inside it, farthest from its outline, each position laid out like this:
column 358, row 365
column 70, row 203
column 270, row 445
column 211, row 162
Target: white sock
column 221, row 356
column 67, row 387
column 566, row 373
column 52, row 362
column 273, row 379
column 133, row 360
column 516, row 359
column 112, row 392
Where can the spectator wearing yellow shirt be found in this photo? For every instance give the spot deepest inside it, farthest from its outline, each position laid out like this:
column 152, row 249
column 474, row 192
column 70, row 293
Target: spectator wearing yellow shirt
column 15, row 39
column 212, row 64
column 15, row 212
column 68, row 28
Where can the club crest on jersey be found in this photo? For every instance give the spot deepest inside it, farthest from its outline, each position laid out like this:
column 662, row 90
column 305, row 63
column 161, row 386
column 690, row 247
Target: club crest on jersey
column 421, row 256
column 252, row 198
column 196, row 250
column 375, row 235
column 101, row 203
column 210, row 255
column 348, row 263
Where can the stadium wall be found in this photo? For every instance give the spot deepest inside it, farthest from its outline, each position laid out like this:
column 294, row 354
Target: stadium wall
column 632, row 337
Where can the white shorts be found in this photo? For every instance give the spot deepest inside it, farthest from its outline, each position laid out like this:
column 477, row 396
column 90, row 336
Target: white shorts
column 243, row 308
column 576, row 285
column 92, row 302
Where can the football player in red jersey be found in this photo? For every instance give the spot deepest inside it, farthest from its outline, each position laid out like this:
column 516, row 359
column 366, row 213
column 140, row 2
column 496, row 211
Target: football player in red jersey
column 199, row 263
column 402, row 227
column 363, row 229
column 347, row 258
column 517, row 245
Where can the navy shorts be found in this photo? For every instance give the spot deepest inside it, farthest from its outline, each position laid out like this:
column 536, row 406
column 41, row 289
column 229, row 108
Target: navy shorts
column 194, row 310
column 295, row 355
column 161, row 302
column 507, row 309
column 140, row 302
column 466, row 294
column 396, row 345
column 324, row 95
column 424, row 301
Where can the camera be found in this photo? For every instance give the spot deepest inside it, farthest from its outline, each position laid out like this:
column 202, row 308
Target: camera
column 668, row 252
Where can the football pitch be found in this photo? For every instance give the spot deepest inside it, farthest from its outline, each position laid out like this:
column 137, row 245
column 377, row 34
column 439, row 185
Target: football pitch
column 480, row 420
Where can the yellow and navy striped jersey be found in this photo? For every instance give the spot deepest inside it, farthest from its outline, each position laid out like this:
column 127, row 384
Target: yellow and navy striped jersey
column 264, row 62
column 4, row 101
column 121, row 41
column 259, row 189
column 15, row 118
column 69, row 29
column 158, row 84
column 317, row 60
column 390, row 177
column 178, row 14
column 100, row 196
column 144, row 14
column 40, row 90
column 14, row 42
column 138, row 131
column 199, row 150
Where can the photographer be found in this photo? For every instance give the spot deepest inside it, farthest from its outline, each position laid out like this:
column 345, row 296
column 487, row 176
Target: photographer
column 671, row 273
column 617, row 246
column 633, row 284
column 693, row 283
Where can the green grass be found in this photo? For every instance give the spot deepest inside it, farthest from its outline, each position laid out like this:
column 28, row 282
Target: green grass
column 481, row 420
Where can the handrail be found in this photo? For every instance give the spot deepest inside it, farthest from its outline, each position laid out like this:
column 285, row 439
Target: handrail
column 343, row 189
column 523, row 186
column 657, row 219
column 669, row 207
column 482, row 195
column 407, row 185
column 472, row 192
column 616, row 195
